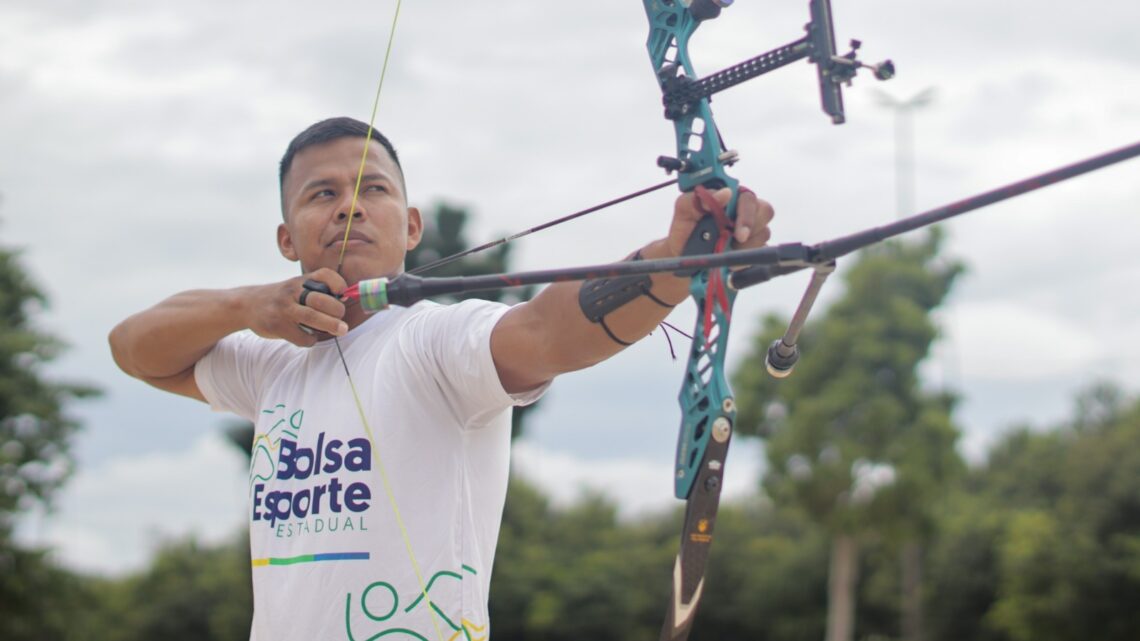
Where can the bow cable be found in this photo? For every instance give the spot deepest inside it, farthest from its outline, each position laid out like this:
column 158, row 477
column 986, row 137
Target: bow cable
column 439, row 262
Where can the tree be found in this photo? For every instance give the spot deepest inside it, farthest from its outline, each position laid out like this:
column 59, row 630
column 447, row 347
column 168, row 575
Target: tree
column 1042, row 541
column 190, row 592
column 576, row 573
column 579, row 573
column 1068, row 557
column 853, row 439
column 35, row 451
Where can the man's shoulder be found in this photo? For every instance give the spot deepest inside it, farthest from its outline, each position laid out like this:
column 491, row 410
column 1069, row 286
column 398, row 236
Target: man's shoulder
column 433, row 312
column 468, row 321
column 245, row 349
column 248, row 342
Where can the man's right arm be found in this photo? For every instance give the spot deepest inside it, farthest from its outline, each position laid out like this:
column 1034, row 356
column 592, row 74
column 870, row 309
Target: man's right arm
column 161, row 345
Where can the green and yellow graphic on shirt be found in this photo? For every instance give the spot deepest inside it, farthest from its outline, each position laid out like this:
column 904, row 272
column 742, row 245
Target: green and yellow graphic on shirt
column 380, row 602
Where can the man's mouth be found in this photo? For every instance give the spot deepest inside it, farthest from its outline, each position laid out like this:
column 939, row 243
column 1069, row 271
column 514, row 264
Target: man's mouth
column 354, row 237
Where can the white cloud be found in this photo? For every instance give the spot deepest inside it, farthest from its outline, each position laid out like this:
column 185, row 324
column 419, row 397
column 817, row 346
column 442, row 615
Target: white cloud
column 111, row 515
column 1004, row 341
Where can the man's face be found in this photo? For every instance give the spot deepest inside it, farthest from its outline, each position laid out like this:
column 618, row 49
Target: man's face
column 317, row 194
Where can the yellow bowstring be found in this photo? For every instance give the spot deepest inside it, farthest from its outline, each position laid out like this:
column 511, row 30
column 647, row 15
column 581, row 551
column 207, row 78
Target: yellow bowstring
column 380, row 469
column 368, row 138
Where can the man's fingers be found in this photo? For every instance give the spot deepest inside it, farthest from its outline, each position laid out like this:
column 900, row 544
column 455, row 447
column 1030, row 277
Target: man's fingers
column 320, row 312
column 749, row 231
column 752, row 218
column 329, row 277
column 299, row 337
column 319, row 321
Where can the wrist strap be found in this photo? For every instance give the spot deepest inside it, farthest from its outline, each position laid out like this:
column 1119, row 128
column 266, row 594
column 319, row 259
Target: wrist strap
column 599, row 297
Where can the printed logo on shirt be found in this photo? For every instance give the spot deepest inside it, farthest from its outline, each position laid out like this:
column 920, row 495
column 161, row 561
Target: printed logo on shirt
column 328, row 499
column 380, row 604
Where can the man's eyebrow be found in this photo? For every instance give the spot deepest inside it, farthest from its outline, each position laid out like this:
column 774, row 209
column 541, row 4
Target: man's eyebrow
column 330, row 182
column 376, row 176
column 317, row 182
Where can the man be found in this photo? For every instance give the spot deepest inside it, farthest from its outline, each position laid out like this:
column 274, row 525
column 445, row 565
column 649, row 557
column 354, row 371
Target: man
column 379, row 514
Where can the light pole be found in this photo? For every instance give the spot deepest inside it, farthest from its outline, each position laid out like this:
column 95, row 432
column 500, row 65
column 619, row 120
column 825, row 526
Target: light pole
column 904, row 145
column 911, row 553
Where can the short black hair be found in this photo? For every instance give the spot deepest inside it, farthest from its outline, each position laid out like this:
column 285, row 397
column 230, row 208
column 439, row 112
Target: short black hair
column 327, row 131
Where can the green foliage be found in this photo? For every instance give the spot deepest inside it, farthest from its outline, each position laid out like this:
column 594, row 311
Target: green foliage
column 190, row 592
column 39, row 600
column 576, row 573
column 580, row 573
column 1069, row 571
column 35, row 432
column 854, row 406
column 35, row 456
column 1043, row 542
column 962, row 570
column 854, row 441
column 767, row 577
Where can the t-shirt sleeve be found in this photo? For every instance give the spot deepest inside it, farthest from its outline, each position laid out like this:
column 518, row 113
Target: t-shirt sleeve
column 457, row 341
column 231, row 374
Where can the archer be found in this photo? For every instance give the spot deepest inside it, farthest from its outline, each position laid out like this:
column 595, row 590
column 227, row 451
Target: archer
column 376, row 504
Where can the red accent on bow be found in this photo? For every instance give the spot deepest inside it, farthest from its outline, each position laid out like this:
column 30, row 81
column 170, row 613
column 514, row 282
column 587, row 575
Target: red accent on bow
column 715, row 292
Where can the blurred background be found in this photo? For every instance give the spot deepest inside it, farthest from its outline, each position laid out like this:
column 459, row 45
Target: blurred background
column 961, row 440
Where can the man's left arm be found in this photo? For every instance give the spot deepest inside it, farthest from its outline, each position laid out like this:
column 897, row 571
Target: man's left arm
column 550, row 335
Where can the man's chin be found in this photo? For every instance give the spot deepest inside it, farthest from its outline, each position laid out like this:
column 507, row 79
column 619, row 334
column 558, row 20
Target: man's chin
column 354, row 272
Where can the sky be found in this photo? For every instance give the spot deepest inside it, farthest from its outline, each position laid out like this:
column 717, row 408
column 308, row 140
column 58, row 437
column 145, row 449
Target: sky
column 138, row 152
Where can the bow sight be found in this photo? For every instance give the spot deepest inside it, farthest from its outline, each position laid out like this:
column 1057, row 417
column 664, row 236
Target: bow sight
column 686, row 104
column 680, row 92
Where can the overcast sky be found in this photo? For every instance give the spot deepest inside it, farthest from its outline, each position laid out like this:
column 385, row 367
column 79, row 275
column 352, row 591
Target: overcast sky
column 140, row 140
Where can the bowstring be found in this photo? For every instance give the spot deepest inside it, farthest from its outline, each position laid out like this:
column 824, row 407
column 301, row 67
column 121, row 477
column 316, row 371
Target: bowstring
column 380, row 468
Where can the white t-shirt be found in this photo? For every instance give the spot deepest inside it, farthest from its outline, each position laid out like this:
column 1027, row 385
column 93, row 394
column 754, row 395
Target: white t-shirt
column 329, row 559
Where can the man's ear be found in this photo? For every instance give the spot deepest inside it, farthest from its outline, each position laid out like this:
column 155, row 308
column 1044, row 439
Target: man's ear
column 415, row 228
column 285, row 243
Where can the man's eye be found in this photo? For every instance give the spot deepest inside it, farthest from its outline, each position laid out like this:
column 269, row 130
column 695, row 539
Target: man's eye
column 324, row 193
column 383, row 188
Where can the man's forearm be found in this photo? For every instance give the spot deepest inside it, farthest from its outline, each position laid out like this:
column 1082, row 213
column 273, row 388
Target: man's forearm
column 550, row 334
column 634, row 320
column 169, row 338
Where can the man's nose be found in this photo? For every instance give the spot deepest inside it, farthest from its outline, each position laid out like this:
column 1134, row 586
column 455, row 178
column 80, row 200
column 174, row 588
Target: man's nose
column 343, row 209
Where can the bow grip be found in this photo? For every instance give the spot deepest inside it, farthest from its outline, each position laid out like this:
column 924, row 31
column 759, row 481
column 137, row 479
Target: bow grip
column 701, row 241
column 708, row 9
column 706, row 234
